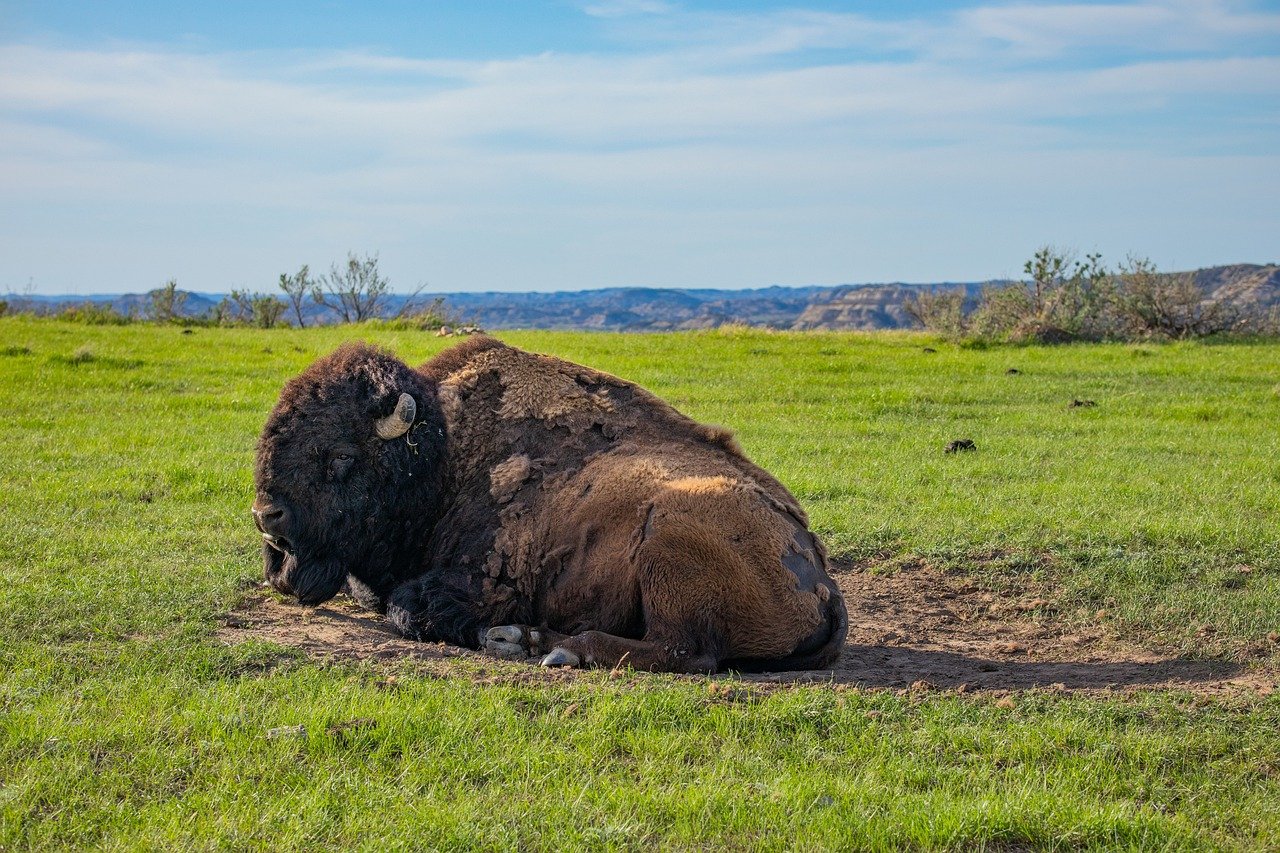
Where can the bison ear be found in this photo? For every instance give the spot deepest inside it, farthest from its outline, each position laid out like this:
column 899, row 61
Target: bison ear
column 398, row 422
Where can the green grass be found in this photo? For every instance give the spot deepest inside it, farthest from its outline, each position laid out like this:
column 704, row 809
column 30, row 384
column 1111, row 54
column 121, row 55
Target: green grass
column 124, row 535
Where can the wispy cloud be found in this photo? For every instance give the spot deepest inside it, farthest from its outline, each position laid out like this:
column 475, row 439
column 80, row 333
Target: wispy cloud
column 625, row 8
column 1179, row 25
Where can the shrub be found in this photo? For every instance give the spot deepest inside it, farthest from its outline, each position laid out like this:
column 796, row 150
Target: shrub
column 1066, row 300
column 222, row 314
column 355, row 291
column 166, row 302
column 943, row 311
column 297, row 287
column 94, row 314
column 431, row 316
column 358, row 292
column 1154, row 304
column 257, row 309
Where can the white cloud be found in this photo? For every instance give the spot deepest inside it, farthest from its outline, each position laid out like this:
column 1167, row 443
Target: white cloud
column 625, row 8
column 1052, row 29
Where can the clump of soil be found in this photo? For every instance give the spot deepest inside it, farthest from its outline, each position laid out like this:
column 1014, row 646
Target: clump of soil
column 960, row 445
column 1082, row 404
column 917, row 628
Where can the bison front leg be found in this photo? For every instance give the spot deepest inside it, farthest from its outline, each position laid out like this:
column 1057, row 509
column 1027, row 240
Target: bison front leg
column 518, row 642
column 364, row 595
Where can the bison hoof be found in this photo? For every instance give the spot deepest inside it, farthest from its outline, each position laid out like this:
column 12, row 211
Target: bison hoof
column 509, row 651
column 560, row 657
column 513, row 642
column 505, row 633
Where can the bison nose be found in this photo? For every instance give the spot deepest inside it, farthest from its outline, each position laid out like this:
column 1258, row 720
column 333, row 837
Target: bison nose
column 273, row 521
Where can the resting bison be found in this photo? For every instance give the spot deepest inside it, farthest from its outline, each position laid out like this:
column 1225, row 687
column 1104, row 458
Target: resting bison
column 498, row 499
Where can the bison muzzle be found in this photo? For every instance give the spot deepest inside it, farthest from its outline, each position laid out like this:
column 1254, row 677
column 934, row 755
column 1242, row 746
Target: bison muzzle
column 499, row 499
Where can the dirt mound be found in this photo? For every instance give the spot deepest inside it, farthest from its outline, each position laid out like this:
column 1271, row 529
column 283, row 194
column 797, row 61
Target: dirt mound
column 916, row 628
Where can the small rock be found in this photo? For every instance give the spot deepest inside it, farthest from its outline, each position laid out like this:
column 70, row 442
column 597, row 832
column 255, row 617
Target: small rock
column 286, row 731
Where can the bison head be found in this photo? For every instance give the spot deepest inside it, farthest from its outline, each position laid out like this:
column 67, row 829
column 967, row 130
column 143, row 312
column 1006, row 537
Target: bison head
column 348, row 475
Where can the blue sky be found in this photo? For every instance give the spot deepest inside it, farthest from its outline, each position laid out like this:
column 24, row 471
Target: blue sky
column 567, row 145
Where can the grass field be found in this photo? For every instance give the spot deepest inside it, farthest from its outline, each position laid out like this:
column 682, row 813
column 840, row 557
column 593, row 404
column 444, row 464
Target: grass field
column 125, row 536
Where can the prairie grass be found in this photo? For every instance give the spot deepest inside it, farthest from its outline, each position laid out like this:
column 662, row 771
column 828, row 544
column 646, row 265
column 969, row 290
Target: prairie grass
column 124, row 536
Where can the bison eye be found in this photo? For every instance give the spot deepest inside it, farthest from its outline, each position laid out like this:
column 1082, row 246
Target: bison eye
column 339, row 462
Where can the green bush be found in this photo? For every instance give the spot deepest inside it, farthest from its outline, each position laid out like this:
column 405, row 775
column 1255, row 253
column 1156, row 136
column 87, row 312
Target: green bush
column 253, row 309
column 166, row 302
column 94, row 314
column 1066, row 300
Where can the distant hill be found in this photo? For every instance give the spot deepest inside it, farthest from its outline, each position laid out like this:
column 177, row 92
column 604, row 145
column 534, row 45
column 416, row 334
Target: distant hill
column 641, row 309
column 872, row 306
column 634, row 308
column 1252, row 286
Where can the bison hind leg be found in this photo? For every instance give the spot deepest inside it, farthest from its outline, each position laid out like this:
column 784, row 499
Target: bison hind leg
column 596, row 648
column 591, row 648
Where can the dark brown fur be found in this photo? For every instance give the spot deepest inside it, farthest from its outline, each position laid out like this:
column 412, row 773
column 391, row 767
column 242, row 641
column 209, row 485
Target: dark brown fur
column 604, row 524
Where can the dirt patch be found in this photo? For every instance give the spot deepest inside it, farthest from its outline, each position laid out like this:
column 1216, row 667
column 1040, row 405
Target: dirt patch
column 917, row 628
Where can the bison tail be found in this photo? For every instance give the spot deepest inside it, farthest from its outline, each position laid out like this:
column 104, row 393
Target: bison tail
column 818, row 651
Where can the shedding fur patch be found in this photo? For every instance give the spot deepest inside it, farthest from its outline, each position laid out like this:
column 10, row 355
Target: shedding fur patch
column 538, row 387
column 531, row 391
column 507, row 476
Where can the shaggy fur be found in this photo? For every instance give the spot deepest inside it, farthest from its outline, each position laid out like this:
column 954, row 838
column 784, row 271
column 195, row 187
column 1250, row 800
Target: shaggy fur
column 603, row 524
column 350, row 502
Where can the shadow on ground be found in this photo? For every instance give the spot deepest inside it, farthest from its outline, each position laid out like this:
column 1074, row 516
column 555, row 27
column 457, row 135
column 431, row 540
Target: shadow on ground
column 918, row 628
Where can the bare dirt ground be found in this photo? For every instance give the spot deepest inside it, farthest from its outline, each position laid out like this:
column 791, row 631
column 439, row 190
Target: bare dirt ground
column 916, row 629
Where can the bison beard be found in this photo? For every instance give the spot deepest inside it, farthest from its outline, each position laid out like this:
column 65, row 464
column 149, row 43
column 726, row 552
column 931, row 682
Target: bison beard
column 519, row 503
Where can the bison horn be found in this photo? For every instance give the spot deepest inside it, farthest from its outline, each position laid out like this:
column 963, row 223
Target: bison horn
column 398, row 422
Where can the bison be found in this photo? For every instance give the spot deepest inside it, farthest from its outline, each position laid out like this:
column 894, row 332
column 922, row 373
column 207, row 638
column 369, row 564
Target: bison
column 499, row 499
